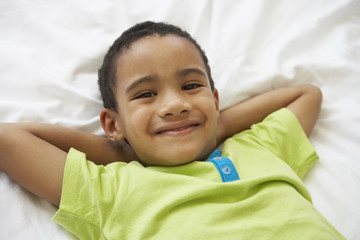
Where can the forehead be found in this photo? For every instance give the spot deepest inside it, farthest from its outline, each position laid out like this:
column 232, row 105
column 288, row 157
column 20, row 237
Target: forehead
column 158, row 55
column 155, row 42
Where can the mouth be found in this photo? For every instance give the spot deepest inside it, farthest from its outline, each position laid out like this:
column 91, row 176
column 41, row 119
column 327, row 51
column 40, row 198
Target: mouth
column 177, row 129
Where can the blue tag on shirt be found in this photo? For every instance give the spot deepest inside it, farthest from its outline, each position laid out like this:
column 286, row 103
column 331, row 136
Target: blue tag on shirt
column 225, row 167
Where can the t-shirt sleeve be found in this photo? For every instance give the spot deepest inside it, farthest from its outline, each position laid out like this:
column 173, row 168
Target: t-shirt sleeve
column 283, row 135
column 80, row 211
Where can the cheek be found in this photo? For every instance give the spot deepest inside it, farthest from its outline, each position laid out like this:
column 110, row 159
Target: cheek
column 212, row 116
column 208, row 106
column 136, row 121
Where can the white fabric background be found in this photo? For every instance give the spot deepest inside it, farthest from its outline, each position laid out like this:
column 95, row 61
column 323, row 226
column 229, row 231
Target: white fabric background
column 51, row 50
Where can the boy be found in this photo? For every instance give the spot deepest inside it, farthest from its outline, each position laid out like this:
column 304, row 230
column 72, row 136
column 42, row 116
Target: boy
column 161, row 109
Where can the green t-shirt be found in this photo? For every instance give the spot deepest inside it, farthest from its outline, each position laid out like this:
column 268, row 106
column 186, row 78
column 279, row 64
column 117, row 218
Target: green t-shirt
column 130, row 201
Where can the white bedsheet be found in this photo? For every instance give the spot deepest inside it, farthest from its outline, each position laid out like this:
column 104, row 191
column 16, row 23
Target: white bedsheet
column 51, row 50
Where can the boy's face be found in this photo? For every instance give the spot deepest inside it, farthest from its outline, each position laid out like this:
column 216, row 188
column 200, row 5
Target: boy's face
column 167, row 110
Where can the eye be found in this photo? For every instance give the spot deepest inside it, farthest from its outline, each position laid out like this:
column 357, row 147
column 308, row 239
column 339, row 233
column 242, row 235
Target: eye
column 191, row 86
column 145, row 94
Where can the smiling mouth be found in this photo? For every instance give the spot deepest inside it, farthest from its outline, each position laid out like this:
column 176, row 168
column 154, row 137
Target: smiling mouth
column 178, row 131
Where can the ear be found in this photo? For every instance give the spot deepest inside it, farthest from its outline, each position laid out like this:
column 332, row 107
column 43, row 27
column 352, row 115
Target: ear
column 216, row 99
column 109, row 123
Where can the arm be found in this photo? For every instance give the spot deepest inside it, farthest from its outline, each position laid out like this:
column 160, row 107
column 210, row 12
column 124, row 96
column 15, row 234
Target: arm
column 304, row 101
column 32, row 162
column 34, row 155
column 98, row 149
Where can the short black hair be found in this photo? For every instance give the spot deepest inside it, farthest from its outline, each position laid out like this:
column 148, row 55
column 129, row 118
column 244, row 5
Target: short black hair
column 107, row 72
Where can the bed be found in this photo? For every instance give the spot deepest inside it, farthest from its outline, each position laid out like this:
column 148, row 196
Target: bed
column 51, row 51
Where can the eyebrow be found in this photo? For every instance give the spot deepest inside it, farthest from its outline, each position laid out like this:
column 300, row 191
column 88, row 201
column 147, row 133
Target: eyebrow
column 152, row 78
column 139, row 81
column 187, row 71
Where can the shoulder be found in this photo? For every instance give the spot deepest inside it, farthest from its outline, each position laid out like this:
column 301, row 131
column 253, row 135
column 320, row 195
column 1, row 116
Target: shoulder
column 283, row 118
column 86, row 184
column 281, row 123
column 281, row 135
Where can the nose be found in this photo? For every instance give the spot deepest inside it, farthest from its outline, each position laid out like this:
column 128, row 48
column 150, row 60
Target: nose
column 174, row 105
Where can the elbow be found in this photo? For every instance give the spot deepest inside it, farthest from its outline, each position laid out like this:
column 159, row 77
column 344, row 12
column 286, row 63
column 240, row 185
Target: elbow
column 307, row 106
column 8, row 138
column 3, row 141
column 317, row 91
column 3, row 133
column 316, row 94
column 315, row 97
